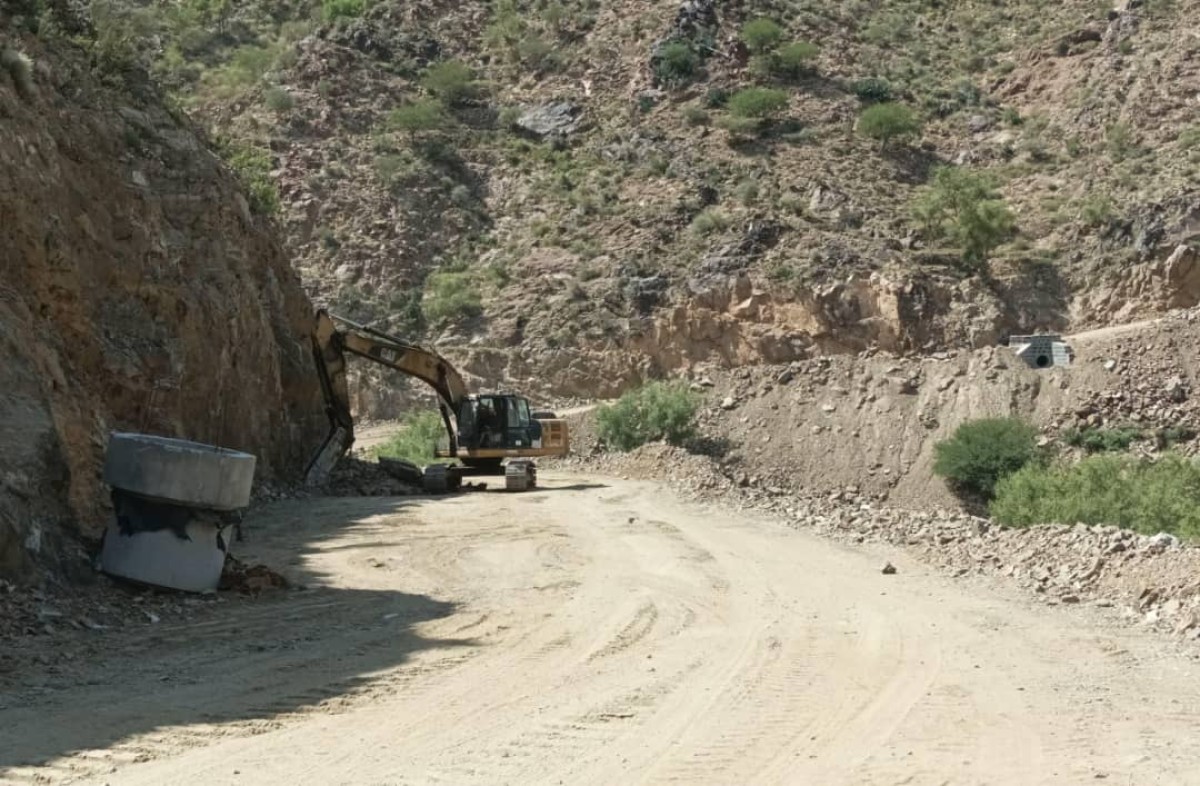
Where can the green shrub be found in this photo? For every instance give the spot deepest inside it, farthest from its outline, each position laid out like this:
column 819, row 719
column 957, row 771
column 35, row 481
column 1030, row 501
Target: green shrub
column 537, row 53
column 278, row 99
column 747, row 191
column 451, row 81
column 451, row 296
column 716, row 97
column 120, row 35
column 20, row 70
column 508, row 117
column 390, row 166
column 253, row 167
column 887, row 121
column 757, row 102
column 1102, row 440
column 677, row 63
column 1096, row 210
column 1189, row 138
column 337, row 9
column 710, row 221
column 417, row 439
column 872, row 90
column 1118, row 138
column 739, row 125
column 1150, row 497
column 963, row 206
column 761, row 35
column 423, row 115
column 981, row 452
column 658, row 410
column 792, row 61
column 695, row 116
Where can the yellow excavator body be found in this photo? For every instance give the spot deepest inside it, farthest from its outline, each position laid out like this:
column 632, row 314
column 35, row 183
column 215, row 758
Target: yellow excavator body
column 482, row 431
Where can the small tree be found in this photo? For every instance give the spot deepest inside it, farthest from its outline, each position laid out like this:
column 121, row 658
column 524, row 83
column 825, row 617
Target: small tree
column 792, row 61
column 451, row 81
column 981, row 452
column 658, row 410
column 872, row 90
column 677, row 63
column 759, row 103
column 888, row 121
column 425, row 115
column 761, row 35
column 451, row 296
column 964, row 206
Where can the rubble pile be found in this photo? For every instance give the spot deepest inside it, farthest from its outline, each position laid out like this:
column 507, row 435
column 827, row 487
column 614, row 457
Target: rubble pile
column 355, row 477
column 249, row 579
column 1147, row 388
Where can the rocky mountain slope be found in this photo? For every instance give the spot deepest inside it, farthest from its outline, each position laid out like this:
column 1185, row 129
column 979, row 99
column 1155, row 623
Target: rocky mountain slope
column 566, row 193
column 138, row 291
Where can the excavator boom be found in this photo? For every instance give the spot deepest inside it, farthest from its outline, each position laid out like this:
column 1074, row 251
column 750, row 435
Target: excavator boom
column 332, row 338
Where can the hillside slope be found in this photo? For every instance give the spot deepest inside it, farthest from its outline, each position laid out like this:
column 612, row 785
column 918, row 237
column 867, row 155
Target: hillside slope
column 565, row 193
column 138, row 292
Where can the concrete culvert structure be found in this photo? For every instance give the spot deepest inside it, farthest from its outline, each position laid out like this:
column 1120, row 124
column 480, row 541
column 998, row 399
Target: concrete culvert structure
column 181, row 472
column 1042, row 351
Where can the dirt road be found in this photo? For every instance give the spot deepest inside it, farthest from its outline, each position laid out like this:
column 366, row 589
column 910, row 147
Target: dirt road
column 601, row 632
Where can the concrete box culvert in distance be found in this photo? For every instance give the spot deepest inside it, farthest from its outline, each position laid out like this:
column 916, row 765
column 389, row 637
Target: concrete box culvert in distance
column 178, row 471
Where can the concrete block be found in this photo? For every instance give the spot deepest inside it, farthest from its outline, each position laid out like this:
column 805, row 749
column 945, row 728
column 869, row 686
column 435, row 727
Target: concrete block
column 177, row 471
column 163, row 558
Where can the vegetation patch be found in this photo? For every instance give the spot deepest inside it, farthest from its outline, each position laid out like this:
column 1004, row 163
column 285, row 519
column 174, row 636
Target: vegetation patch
column 710, row 221
column 677, row 64
column 757, row 103
column 417, row 439
column 872, row 90
column 963, row 206
column 342, row 9
column 761, row 35
column 451, row 296
column 20, row 69
column 424, row 115
column 1147, row 496
column 451, row 81
column 657, row 411
column 253, row 167
column 982, row 452
column 1102, row 440
column 887, row 121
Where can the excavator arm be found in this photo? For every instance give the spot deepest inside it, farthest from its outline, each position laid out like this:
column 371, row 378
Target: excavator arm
column 332, row 338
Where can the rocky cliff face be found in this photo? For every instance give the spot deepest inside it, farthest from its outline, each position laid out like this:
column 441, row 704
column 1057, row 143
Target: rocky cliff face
column 137, row 291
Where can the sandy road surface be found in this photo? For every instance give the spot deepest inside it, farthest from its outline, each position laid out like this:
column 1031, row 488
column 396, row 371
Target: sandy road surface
column 601, row 632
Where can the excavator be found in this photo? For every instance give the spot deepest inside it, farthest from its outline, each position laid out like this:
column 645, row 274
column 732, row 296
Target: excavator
column 487, row 434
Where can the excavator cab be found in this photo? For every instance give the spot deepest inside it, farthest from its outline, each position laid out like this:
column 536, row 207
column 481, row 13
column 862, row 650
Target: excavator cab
column 497, row 420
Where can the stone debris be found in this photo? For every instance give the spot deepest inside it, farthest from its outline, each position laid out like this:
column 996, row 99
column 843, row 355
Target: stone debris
column 249, row 579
